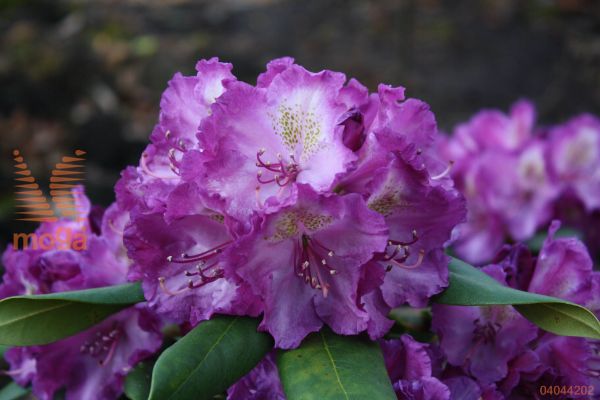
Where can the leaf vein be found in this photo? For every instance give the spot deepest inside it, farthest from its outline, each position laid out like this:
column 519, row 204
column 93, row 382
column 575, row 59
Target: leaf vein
column 337, row 376
column 219, row 339
column 26, row 316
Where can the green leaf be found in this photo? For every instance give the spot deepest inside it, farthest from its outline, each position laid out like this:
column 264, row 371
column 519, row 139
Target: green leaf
column 209, row 359
column 12, row 391
column 332, row 367
column 137, row 383
column 470, row 286
column 41, row 319
column 3, row 350
column 414, row 321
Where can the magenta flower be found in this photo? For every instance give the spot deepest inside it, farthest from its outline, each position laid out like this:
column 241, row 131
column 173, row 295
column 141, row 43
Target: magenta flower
column 409, row 367
column 564, row 269
column 502, row 170
column 399, row 177
column 473, row 336
column 305, row 262
column 420, row 218
column 491, row 129
column 182, row 262
column 70, row 262
column 184, row 104
column 294, row 198
column 260, row 142
column 574, row 153
column 91, row 364
column 496, row 346
column 465, row 388
column 262, row 383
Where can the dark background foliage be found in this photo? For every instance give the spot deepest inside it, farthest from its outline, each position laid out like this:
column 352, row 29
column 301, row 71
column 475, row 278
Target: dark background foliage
column 89, row 74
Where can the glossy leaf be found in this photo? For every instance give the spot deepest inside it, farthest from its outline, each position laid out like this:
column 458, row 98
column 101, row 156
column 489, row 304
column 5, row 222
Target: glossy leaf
column 41, row 319
column 12, row 391
column 137, row 383
column 471, row 287
column 209, row 359
column 329, row 366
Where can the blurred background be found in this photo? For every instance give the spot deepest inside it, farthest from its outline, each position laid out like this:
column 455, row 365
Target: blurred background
column 89, row 74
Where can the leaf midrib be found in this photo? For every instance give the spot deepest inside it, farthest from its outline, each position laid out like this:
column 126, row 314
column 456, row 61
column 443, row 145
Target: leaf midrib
column 330, row 356
column 219, row 339
column 22, row 317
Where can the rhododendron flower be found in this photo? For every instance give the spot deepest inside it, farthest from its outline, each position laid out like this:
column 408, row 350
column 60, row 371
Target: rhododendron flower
column 420, row 207
column 298, row 195
column 181, row 262
column 501, row 168
column 464, row 388
column 39, row 268
column 574, row 153
column 420, row 218
column 260, row 142
column 496, row 346
column 262, row 383
column 473, row 336
column 305, row 262
column 409, row 367
column 91, row 364
column 183, row 105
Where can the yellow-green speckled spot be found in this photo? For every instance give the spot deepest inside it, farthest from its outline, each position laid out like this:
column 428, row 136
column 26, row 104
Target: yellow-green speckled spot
column 297, row 126
column 288, row 224
column 314, row 222
column 220, row 218
column 387, row 202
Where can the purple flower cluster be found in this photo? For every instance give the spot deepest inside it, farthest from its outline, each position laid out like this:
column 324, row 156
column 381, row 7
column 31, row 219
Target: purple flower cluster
column 303, row 198
column 307, row 201
column 93, row 363
column 516, row 177
column 494, row 353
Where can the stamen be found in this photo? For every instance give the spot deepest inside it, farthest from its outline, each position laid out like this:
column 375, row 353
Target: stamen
column 593, row 373
column 161, row 281
column 444, row 172
column 283, row 174
column 415, row 238
column 102, row 347
column 144, row 166
column 114, row 228
column 185, row 258
column 416, row 264
column 257, row 196
column 13, row 372
column 258, row 178
column 111, row 351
